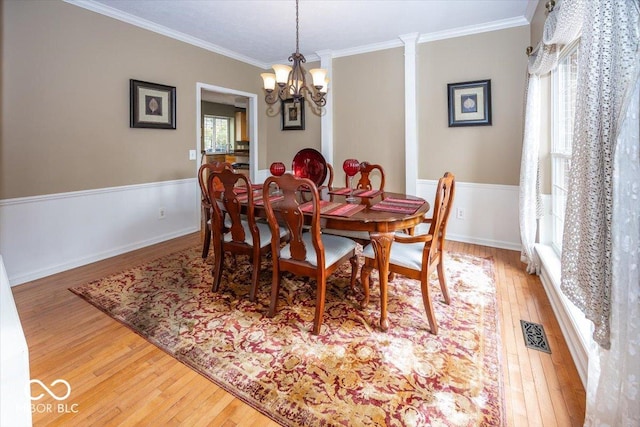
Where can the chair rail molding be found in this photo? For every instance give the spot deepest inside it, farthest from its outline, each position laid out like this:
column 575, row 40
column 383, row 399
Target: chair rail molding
column 44, row 235
column 484, row 214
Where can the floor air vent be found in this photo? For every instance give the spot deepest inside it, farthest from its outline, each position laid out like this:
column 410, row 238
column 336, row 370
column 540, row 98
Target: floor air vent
column 534, row 336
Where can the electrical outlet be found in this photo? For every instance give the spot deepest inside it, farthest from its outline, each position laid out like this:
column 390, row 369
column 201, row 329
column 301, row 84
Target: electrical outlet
column 161, row 213
column 459, row 213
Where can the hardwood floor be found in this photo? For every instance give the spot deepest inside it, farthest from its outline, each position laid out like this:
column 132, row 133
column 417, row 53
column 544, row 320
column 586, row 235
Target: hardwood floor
column 118, row 378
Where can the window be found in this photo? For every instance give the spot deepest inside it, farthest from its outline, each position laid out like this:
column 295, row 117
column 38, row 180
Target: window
column 564, row 84
column 217, row 133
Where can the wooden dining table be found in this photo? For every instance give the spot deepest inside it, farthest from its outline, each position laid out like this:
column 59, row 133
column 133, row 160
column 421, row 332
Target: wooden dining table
column 380, row 213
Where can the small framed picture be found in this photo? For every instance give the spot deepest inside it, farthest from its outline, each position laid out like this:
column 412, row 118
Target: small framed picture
column 152, row 105
column 293, row 114
column 470, row 103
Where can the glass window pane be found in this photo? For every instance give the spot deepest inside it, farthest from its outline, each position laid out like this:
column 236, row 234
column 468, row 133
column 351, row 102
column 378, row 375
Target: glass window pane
column 208, row 132
column 564, row 99
column 216, row 133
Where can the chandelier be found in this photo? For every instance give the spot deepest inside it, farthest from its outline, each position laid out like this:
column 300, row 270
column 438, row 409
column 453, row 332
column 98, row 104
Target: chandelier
column 292, row 81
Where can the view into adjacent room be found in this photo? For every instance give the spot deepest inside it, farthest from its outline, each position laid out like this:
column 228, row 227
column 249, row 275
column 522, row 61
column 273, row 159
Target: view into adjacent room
column 225, row 129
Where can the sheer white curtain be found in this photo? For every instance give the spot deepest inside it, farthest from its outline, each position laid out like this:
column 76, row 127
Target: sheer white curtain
column 613, row 389
column 600, row 259
column 607, row 66
column 561, row 27
column 529, row 202
column 601, row 244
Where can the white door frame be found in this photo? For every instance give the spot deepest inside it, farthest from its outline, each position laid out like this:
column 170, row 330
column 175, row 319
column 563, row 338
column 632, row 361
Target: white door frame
column 252, row 117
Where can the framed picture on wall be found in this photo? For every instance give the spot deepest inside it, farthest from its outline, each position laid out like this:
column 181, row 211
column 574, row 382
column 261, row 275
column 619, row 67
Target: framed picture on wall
column 293, row 114
column 152, row 105
column 470, row 103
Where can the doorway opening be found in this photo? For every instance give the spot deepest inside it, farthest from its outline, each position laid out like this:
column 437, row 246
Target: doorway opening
column 239, row 108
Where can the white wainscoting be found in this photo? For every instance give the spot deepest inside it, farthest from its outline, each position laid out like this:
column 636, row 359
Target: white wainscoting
column 15, row 405
column 43, row 235
column 490, row 213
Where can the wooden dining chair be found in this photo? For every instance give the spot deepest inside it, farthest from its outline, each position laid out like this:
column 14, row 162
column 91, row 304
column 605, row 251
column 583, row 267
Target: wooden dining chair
column 364, row 183
column 311, row 253
column 329, row 176
column 417, row 256
column 240, row 233
column 368, row 170
column 203, row 173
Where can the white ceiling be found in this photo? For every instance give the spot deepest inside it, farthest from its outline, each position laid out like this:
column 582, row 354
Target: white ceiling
column 262, row 32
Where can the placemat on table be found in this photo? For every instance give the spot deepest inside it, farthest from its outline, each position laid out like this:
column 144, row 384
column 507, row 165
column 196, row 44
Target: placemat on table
column 243, row 195
column 254, row 187
column 395, row 201
column 259, row 201
column 306, row 189
column 394, row 207
column 366, row 193
column 340, row 191
column 346, row 210
column 325, row 206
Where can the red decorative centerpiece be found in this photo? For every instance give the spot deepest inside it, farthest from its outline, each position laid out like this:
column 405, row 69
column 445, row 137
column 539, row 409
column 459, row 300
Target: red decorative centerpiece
column 351, row 167
column 277, row 169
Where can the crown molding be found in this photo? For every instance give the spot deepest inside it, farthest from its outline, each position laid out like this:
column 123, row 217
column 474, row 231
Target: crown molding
column 424, row 38
column 156, row 28
column 429, row 37
column 475, row 29
column 368, row 48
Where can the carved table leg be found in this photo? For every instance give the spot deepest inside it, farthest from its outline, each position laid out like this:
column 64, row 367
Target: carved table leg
column 381, row 243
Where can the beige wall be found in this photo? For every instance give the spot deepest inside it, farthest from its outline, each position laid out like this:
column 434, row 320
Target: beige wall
column 479, row 154
column 537, row 23
column 65, row 104
column 368, row 95
column 65, row 100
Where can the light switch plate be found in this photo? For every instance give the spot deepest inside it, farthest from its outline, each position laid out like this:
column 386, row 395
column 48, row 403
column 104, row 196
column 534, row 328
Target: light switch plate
column 192, row 154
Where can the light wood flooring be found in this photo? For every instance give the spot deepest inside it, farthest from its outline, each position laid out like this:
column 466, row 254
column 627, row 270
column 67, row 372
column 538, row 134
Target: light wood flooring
column 118, row 378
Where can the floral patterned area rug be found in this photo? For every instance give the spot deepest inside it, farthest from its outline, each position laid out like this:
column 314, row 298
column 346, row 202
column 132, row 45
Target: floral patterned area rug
column 352, row 374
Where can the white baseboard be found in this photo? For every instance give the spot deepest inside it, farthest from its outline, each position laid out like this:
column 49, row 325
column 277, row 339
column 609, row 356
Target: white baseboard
column 573, row 324
column 483, row 242
column 490, row 213
column 48, row 234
